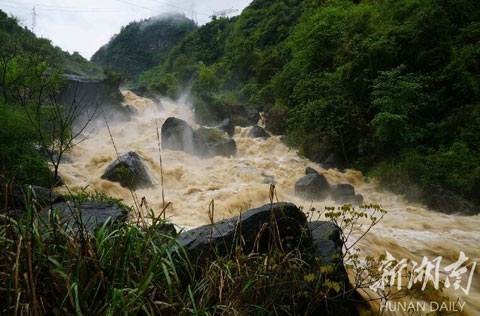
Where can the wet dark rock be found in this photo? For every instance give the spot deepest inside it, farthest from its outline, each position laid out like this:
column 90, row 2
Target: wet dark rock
column 225, row 148
column 327, row 247
column 224, row 235
column 326, row 241
column 203, row 142
column 448, row 202
column 341, row 190
column 128, row 170
column 344, row 193
column 227, row 126
column 318, row 241
column 258, row 132
column 310, row 170
column 331, row 162
column 312, row 186
column 211, row 142
column 178, row 135
column 316, row 187
column 90, row 215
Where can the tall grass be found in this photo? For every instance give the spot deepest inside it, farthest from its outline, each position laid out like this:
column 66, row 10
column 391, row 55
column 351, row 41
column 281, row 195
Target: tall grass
column 48, row 268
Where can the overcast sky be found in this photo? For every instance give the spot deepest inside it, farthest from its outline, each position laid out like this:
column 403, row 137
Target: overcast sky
column 85, row 25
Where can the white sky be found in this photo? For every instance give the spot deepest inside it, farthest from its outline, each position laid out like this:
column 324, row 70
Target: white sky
column 85, row 25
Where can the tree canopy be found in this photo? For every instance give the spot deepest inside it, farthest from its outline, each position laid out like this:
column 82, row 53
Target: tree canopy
column 389, row 87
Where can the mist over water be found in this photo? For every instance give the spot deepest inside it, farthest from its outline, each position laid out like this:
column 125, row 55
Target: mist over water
column 408, row 230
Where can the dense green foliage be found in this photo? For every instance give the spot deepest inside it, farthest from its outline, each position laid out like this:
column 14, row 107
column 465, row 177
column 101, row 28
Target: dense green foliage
column 390, row 86
column 30, row 69
column 19, row 159
column 142, row 45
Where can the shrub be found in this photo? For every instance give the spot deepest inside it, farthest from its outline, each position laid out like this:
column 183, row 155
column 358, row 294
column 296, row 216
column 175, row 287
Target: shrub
column 20, row 158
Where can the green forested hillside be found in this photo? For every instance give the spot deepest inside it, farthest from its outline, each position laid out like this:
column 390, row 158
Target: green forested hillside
column 390, row 87
column 30, row 73
column 15, row 37
column 142, row 45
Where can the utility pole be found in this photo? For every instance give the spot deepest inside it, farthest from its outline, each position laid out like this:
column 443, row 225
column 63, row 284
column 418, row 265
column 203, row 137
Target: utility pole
column 34, row 19
column 194, row 14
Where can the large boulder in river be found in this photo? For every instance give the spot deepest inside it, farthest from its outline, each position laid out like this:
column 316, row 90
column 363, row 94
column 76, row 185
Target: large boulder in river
column 203, row 142
column 253, row 228
column 211, row 142
column 224, row 147
column 129, row 171
column 178, row 135
column 316, row 187
column 344, row 193
column 90, row 215
column 258, row 132
column 312, row 186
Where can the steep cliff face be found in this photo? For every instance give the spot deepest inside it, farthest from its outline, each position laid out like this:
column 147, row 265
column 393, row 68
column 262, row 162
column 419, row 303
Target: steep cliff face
column 142, row 45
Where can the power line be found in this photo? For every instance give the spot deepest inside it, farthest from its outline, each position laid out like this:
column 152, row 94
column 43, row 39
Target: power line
column 46, row 7
column 181, row 8
column 136, row 5
column 164, row 3
column 72, row 9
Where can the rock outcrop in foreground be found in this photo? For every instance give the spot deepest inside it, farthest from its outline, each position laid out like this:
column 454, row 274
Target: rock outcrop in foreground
column 224, row 235
column 255, row 229
column 90, row 215
column 264, row 230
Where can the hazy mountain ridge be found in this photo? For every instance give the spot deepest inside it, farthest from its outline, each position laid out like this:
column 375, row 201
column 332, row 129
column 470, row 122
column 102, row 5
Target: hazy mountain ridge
column 142, row 45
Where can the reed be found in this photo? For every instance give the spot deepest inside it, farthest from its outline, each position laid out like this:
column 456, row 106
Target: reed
column 131, row 268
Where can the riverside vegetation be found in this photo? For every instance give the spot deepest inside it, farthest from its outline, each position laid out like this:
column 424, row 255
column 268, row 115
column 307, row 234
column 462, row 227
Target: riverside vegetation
column 138, row 267
column 387, row 87
column 377, row 84
column 49, row 266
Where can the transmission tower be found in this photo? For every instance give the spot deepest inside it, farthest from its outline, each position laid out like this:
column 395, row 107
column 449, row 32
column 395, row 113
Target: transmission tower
column 34, row 19
column 193, row 12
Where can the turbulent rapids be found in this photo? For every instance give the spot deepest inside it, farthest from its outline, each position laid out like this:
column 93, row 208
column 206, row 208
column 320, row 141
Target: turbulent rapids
column 191, row 183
